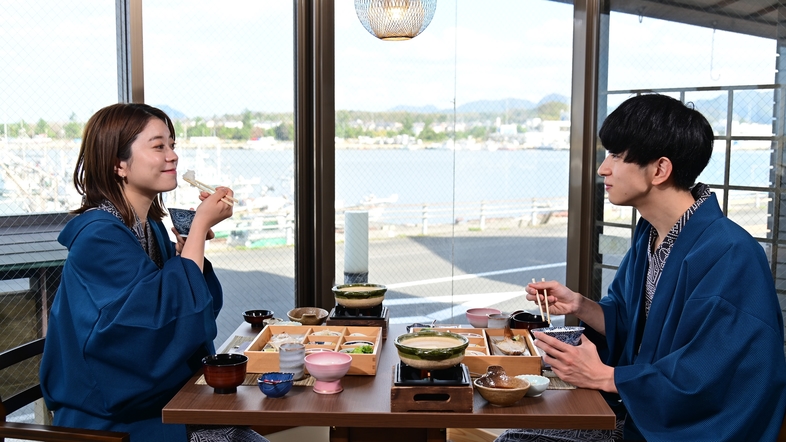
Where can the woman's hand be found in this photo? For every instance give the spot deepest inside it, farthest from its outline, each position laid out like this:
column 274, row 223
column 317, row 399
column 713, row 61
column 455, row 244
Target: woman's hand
column 579, row 365
column 181, row 240
column 210, row 212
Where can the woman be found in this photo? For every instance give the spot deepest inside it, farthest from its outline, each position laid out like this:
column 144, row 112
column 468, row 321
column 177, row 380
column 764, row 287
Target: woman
column 134, row 314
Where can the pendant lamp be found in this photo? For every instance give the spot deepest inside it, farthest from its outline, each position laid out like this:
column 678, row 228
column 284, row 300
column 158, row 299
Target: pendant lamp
column 395, row 19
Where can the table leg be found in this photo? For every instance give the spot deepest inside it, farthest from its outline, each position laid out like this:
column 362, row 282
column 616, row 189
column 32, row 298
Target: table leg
column 344, row 434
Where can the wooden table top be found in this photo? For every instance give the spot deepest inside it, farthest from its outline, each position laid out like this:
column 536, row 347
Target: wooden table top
column 365, row 402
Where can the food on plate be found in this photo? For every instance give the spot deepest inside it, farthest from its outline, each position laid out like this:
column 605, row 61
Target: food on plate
column 362, row 349
column 512, row 345
column 276, row 340
column 326, row 333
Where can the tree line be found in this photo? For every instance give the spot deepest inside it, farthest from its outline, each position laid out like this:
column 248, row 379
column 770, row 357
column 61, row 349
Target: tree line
column 349, row 124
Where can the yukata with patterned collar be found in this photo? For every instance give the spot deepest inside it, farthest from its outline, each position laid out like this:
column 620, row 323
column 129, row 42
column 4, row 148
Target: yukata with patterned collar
column 128, row 327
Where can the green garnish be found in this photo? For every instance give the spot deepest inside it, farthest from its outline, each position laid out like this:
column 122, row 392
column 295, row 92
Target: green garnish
column 366, row 349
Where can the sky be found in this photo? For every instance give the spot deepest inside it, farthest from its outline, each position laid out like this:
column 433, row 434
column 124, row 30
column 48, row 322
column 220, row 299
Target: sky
column 205, row 58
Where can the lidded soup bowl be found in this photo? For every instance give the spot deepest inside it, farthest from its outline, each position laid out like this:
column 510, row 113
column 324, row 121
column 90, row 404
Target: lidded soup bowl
column 431, row 350
column 224, row 371
column 528, row 321
column 257, row 317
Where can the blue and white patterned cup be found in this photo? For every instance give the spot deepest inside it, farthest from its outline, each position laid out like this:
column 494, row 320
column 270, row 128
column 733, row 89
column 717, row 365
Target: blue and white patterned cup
column 181, row 220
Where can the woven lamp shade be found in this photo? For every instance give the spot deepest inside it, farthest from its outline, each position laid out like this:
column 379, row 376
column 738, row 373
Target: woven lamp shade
column 395, row 19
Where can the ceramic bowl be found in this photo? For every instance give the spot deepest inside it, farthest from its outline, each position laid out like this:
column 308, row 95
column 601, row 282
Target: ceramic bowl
column 257, row 317
column 528, row 321
column 327, row 368
column 499, row 320
column 537, row 384
column 275, row 384
column 479, row 317
column 225, row 371
column 567, row 334
column 181, row 219
column 503, row 397
column 431, row 350
column 359, row 295
column 308, row 315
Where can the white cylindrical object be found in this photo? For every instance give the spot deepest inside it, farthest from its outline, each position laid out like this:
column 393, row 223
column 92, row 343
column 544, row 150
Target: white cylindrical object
column 291, row 359
column 356, row 242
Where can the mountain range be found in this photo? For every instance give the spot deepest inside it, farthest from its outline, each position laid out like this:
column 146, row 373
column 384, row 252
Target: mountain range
column 750, row 106
column 500, row 105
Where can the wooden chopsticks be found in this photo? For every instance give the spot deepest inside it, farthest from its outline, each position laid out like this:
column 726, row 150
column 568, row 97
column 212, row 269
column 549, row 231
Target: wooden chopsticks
column 190, row 178
column 547, row 316
column 546, row 299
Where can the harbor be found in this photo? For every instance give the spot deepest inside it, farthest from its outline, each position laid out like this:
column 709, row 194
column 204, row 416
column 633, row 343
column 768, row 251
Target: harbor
column 448, row 230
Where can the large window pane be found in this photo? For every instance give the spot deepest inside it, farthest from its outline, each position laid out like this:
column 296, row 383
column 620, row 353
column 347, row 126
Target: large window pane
column 455, row 143
column 58, row 65
column 725, row 61
column 225, row 76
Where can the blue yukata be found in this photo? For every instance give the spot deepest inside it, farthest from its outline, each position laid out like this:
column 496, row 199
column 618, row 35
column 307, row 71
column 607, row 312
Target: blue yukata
column 124, row 332
column 707, row 363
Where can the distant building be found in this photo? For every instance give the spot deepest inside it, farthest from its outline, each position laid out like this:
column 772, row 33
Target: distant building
column 552, row 134
column 507, row 129
column 417, row 128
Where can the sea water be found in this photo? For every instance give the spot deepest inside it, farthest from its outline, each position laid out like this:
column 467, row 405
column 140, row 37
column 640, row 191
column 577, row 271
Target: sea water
column 414, row 177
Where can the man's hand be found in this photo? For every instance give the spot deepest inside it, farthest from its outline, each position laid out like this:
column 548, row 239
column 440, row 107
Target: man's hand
column 579, row 365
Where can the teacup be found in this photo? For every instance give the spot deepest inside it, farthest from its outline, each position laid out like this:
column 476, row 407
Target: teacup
column 181, row 220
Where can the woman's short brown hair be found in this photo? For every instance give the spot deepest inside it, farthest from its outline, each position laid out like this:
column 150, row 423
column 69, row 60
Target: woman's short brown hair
column 106, row 141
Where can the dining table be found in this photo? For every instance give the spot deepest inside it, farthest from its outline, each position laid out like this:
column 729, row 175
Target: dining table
column 362, row 411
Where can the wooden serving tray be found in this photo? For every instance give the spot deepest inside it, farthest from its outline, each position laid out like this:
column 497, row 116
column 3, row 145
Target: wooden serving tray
column 260, row 361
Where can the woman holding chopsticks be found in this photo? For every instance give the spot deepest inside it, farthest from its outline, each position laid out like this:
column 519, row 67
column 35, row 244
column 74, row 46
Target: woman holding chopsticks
column 134, row 314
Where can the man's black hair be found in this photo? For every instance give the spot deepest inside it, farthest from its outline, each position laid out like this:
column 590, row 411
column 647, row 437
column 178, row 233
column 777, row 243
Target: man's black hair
column 647, row 127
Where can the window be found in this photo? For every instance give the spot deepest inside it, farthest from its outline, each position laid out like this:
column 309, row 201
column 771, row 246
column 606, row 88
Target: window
column 731, row 75
column 58, row 66
column 455, row 144
column 225, row 76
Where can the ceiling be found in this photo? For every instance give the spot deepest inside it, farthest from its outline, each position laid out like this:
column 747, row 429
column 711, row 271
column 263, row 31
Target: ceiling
column 753, row 17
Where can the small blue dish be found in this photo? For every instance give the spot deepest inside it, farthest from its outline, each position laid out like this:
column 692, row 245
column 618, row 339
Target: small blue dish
column 275, row 384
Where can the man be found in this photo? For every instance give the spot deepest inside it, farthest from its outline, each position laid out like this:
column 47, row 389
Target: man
column 693, row 346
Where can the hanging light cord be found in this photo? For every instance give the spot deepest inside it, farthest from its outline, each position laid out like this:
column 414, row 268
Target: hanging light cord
column 712, row 54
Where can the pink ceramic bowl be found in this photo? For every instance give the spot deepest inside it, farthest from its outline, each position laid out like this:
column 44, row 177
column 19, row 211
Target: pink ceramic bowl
column 479, row 317
column 328, row 367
